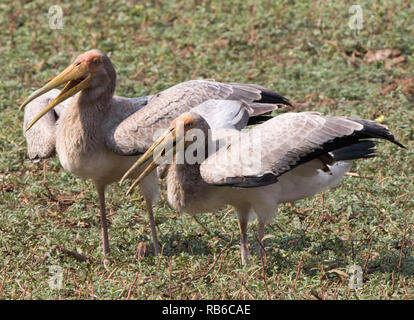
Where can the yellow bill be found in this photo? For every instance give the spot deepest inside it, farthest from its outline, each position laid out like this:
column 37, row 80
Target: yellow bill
column 162, row 147
column 76, row 77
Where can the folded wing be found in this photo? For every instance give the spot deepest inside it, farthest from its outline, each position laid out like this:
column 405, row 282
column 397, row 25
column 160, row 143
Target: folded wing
column 135, row 134
column 260, row 156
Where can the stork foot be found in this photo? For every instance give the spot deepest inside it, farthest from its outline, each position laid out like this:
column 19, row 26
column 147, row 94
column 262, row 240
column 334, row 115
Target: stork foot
column 244, row 255
column 106, row 263
column 156, row 245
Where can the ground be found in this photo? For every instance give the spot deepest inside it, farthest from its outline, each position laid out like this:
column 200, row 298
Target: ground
column 305, row 50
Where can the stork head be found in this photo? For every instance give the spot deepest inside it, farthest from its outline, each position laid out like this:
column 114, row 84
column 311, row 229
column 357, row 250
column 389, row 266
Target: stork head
column 179, row 130
column 188, row 121
column 91, row 72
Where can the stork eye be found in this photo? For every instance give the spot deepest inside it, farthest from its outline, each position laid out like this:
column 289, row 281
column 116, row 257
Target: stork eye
column 96, row 61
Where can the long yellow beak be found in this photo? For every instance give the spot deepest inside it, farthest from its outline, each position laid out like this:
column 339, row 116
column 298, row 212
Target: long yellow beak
column 77, row 77
column 165, row 146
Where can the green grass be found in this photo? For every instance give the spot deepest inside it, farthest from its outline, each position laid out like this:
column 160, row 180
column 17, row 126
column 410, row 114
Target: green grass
column 302, row 49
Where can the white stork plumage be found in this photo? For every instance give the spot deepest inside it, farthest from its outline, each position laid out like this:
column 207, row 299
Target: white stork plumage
column 299, row 155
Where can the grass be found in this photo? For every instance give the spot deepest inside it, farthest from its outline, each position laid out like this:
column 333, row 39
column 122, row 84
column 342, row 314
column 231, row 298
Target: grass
column 304, row 50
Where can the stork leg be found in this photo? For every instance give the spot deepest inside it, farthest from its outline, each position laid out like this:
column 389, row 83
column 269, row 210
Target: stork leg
column 153, row 227
column 104, row 222
column 261, row 230
column 243, row 221
column 150, row 190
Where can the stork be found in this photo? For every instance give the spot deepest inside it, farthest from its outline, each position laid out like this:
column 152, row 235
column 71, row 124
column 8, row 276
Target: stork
column 99, row 136
column 299, row 155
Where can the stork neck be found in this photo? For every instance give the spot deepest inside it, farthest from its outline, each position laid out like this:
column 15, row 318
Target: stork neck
column 184, row 185
column 84, row 115
column 92, row 99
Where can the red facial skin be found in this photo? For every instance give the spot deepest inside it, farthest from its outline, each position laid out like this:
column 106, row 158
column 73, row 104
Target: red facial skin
column 93, row 61
column 187, row 122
